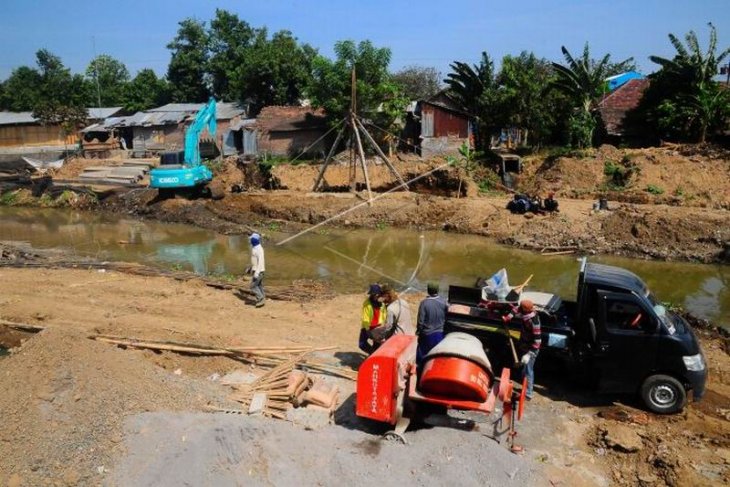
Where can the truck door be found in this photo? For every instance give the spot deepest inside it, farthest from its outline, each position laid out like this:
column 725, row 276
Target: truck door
column 626, row 342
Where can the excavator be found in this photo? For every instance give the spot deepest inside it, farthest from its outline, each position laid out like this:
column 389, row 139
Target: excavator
column 182, row 172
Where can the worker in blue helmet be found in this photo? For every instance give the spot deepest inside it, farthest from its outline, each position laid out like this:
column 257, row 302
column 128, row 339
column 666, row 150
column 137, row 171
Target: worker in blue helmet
column 257, row 269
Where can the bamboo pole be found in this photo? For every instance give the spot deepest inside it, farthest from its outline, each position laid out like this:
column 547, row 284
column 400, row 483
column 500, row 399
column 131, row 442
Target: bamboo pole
column 381, row 154
column 22, row 326
column 362, row 158
column 329, row 157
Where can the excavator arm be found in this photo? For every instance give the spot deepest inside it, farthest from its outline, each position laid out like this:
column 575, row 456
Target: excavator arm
column 204, row 118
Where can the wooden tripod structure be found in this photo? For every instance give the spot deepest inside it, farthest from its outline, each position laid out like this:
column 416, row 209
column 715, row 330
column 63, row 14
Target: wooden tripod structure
column 353, row 123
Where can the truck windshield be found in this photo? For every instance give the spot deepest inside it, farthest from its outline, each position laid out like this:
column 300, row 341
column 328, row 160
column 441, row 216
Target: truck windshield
column 662, row 313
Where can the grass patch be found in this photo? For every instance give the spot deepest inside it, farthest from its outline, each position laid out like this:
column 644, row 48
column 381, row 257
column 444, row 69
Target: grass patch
column 9, row 198
column 654, row 189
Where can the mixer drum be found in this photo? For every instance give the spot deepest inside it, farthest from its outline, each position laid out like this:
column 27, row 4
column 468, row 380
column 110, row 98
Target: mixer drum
column 457, row 368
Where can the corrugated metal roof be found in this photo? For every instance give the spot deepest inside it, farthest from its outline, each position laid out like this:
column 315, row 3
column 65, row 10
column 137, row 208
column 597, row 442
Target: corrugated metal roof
column 224, row 110
column 246, row 122
column 101, row 113
column 178, row 107
column 104, row 126
column 13, row 118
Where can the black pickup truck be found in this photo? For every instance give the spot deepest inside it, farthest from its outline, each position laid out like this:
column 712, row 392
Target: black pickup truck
column 616, row 330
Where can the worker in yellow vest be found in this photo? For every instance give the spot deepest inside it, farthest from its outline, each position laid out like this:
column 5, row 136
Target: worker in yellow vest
column 373, row 316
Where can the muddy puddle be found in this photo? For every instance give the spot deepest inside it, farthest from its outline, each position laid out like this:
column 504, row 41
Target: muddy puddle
column 349, row 259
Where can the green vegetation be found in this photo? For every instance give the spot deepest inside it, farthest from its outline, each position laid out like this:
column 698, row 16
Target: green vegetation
column 551, row 103
column 683, row 101
column 8, row 198
column 654, row 189
column 582, row 80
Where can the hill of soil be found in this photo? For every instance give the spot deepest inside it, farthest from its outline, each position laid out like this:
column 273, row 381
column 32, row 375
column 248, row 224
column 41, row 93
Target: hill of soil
column 681, row 175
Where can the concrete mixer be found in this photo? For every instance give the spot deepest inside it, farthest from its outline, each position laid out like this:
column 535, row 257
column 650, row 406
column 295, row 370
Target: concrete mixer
column 455, row 374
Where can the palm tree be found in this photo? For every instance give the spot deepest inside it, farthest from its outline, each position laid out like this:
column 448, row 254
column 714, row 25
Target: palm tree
column 690, row 65
column 690, row 75
column 584, row 81
column 467, row 84
column 472, row 87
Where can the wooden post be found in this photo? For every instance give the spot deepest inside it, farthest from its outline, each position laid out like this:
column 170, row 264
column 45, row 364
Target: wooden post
column 382, row 156
column 362, row 157
column 329, row 157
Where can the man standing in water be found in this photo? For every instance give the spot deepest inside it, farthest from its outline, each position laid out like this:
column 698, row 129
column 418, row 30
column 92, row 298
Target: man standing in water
column 257, row 268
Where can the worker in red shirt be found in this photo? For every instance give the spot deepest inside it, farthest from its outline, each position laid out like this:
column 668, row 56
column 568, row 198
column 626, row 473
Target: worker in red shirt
column 530, row 339
column 373, row 316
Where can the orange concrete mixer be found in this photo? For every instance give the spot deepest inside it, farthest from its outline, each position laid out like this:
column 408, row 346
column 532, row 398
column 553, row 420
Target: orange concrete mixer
column 456, row 374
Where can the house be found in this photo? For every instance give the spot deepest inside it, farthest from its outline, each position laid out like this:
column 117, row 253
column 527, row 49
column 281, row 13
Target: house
column 21, row 130
column 614, row 106
column 283, row 131
column 163, row 128
column 444, row 125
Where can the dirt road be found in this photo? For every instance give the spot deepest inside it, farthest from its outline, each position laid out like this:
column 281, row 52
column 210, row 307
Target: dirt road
column 88, row 391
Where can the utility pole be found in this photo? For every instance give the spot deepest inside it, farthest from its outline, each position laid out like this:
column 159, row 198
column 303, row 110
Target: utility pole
column 96, row 73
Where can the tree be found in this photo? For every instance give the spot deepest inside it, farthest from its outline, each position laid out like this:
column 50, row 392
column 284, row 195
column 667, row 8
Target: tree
column 22, row 90
column 583, row 81
column 417, row 82
column 276, row 71
column 62, row 97
column 230, row 41
column 522, row 98
column 683, row 100
column 112, row 76
column 188, row 65
column 474, row 88
column 146, row 91
column 331, row 84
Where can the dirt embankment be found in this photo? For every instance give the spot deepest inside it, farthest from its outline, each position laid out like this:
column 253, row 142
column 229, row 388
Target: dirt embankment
column 687, row 220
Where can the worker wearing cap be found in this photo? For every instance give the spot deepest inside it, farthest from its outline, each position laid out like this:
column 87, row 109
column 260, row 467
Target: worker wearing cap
column 372, row 317
column 530, row 339
column 257, row 268
column 397, row 316
column 430, row 322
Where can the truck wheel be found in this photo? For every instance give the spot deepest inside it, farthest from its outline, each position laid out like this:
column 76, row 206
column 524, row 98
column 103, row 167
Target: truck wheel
column 663, row 394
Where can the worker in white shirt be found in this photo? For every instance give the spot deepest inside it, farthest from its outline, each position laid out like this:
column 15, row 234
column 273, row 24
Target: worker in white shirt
column 257, row 268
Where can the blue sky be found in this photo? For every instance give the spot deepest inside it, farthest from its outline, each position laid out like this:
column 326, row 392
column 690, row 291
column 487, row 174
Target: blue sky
column 426, row 32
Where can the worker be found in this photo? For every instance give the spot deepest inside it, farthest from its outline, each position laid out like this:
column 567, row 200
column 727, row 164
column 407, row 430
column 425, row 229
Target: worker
column 431, row 321
column 530, row 339
column 373, row 316
column 397, row 316
column 257, row 268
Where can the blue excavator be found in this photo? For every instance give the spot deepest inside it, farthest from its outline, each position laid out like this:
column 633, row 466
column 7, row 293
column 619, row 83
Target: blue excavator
column 182, row 172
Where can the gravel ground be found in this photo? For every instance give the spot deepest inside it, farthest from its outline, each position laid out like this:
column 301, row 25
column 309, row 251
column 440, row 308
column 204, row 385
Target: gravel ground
column 166, row 449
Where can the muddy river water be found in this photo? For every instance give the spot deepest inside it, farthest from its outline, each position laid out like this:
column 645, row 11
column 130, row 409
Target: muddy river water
column 350, row 259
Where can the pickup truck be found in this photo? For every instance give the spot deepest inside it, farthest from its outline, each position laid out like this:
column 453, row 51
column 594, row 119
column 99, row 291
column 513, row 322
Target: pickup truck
column 616, row 330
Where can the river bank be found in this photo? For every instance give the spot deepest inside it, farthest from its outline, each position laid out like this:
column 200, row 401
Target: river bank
column 660, row 232
column 666, row 203
column 95, row 395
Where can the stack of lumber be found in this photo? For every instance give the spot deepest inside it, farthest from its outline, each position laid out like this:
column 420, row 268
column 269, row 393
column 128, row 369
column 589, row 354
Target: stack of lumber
column 128, row 173
column 269, row 394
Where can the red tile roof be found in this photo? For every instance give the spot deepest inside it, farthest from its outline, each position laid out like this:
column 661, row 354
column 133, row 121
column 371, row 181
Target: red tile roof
column 613, row 107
